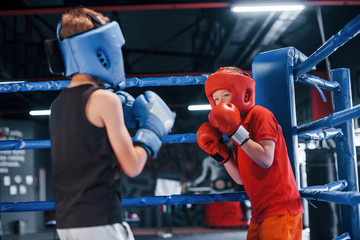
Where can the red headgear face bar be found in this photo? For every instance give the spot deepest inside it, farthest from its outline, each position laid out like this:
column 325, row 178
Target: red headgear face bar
column 241, row 85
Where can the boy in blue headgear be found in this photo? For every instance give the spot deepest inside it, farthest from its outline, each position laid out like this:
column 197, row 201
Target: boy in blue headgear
column 90, row 142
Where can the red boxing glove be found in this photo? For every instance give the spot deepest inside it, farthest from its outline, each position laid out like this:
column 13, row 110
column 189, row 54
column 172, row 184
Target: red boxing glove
column 226, row 118
column 210, row 140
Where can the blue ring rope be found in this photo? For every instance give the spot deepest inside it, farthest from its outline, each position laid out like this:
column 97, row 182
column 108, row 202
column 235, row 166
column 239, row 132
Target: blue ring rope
column 40, row 144
column 314, row 81
column 191, row 137
column 130, row 82
column 344, row 236
column 56, row 85
column 331, row 120
column 322, row 134
column 328, row 192
column 339, row 39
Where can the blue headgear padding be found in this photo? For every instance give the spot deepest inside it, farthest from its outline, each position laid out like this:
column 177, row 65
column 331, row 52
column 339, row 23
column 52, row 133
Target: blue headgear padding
column 96, row 52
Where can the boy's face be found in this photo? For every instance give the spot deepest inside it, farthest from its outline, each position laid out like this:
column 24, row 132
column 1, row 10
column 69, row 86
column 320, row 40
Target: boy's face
column 222, row 96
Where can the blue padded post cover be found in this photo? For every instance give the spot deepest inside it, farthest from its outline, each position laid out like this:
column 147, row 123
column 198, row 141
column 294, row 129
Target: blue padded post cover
column 273, row 74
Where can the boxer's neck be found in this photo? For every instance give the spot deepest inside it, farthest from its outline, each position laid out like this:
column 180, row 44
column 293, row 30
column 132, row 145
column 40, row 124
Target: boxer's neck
column 82, row 79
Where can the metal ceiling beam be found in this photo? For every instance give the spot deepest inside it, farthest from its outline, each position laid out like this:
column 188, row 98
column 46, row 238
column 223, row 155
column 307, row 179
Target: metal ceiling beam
column 263, row 29
column 333, row 3
column 19, row 40
column 162, row 44
column 143, row 7
column 145, row 52
column 229, row 38
column 147, row 7
column 273, row 33
column 206, row 40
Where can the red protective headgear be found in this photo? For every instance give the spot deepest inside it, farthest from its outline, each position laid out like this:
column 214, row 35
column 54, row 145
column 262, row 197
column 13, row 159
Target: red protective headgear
column 242, row 87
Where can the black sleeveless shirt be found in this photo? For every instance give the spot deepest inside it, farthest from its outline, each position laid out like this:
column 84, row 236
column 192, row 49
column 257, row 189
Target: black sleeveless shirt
column 86, row 177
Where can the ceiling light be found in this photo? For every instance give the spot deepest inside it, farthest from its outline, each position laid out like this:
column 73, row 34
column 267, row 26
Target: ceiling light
column 266, row 7
column 199, row 107
column 39, row 112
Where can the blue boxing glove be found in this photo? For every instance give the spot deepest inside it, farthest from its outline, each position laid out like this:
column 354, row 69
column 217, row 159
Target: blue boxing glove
column 155, row 121
column 127, row 102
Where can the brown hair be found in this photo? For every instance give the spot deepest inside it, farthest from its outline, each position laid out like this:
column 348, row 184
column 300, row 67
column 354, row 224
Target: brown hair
column 77, row 21
column 231, row 69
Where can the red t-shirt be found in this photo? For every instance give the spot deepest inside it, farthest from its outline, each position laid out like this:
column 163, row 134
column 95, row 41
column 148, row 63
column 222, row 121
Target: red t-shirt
column 272, row 191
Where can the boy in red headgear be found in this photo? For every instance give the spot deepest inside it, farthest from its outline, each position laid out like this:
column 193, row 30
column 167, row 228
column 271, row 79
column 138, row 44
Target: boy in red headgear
column 260, row 161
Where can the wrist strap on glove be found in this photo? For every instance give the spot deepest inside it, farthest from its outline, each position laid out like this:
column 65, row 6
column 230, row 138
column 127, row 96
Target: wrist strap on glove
column 149, row 140
column 223, row 154
column 220, row 158
column 240, row 136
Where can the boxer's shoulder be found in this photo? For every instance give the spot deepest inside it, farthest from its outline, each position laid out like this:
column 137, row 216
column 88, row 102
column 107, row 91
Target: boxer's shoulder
column 104, row 95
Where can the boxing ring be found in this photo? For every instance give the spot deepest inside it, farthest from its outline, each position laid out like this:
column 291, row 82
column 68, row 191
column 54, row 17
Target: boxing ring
column 274, row 72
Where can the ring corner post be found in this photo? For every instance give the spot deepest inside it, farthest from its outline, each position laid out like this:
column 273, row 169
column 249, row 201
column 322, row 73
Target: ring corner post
column 345, row 150
column 273, row 74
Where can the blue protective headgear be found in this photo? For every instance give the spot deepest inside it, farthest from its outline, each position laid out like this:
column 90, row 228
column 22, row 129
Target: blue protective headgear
column 96, row 52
